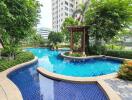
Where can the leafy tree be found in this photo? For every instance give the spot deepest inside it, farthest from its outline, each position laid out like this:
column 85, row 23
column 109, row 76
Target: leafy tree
column 55, row 37
column 17, row 18
column 107, row 17
column 69, row 22
column 34, row 39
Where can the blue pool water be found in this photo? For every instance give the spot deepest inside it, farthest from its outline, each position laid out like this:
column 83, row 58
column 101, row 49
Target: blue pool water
column 34, row 86
column 51, row 61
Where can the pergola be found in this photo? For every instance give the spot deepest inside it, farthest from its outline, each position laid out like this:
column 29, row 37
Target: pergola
column 82, row 29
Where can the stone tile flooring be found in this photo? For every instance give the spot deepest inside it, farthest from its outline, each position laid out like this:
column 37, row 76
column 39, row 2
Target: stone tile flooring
column 123, row 88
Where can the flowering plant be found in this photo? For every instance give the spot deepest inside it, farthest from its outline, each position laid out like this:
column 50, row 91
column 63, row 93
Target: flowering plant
column 125, row 71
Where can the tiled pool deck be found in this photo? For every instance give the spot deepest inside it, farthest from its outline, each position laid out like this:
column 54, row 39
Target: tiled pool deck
column 122, row 88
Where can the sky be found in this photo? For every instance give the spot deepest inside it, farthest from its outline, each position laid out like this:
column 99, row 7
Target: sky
column 46, row 14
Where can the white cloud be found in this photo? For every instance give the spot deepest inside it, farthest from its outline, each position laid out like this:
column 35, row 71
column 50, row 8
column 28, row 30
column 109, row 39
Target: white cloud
column 46, row 14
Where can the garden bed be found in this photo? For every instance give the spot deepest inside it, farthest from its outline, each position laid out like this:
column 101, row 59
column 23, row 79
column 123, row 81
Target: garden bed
column 20, row 58
column 78, row 56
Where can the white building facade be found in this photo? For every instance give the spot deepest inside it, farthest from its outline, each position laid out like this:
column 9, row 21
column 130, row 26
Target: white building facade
column 44, row 32
column 62, row 9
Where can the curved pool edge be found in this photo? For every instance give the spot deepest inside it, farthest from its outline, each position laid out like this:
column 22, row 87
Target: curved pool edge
column 8, row 88
column 92, row 57
column 110, row 93
column 79, row 58
column 49, row 74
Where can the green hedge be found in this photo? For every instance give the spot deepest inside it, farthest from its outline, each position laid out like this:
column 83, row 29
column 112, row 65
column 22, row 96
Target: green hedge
column 20, row 58
column 121, row 54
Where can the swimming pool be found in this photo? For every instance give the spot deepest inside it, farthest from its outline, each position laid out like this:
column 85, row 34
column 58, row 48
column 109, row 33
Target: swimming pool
column 51, row 61
column 34, row 86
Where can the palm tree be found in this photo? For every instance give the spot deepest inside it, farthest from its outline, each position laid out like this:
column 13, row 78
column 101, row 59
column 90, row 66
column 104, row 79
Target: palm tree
column 81, row 11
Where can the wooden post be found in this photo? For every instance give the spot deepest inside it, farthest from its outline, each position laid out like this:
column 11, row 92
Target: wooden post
column 71, row 44
column 84, row 32
column 86, row 41
column 81, row 41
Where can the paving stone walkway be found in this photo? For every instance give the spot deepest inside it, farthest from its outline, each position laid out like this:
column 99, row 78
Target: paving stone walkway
column 123, row 88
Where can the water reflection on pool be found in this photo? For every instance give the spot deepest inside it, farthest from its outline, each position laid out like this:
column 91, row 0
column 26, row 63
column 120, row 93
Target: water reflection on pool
column 34, row 86
column 51, row 61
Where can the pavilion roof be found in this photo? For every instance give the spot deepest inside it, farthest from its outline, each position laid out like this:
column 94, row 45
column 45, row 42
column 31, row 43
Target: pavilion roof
column 77, row 28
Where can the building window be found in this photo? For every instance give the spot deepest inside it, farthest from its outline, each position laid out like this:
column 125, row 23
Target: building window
column 71, row 5
column 66, row 14
column 66, row 2
column 71, row 10
column 61, row 14
column 66, row 8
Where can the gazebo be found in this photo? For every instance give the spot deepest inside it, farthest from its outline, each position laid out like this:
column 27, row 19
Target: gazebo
column 82, row 29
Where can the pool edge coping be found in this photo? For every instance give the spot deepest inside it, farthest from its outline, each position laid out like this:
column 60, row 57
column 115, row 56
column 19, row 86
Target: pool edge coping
column 91, row 57
column 110, row 93
column 9, row 88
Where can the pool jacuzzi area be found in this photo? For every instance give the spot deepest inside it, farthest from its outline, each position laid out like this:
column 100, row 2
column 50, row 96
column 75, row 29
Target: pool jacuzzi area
column 52, row 77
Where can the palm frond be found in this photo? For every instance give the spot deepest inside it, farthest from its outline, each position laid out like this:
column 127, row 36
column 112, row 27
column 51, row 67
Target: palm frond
column 86, row 5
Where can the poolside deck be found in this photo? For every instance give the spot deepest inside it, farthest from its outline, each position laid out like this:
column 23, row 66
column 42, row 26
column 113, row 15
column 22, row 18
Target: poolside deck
column 2, row 94
column 121, row 87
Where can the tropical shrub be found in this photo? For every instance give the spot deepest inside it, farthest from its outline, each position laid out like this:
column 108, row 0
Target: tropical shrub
column 74, row 54
column 114, row 47
column 125, row 71
column 64, row 46
column 97, row 50
column 21, row 57
column 55, row 38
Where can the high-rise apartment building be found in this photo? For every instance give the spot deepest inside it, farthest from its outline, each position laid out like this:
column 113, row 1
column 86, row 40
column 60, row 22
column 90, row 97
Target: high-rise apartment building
column 62, row 9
